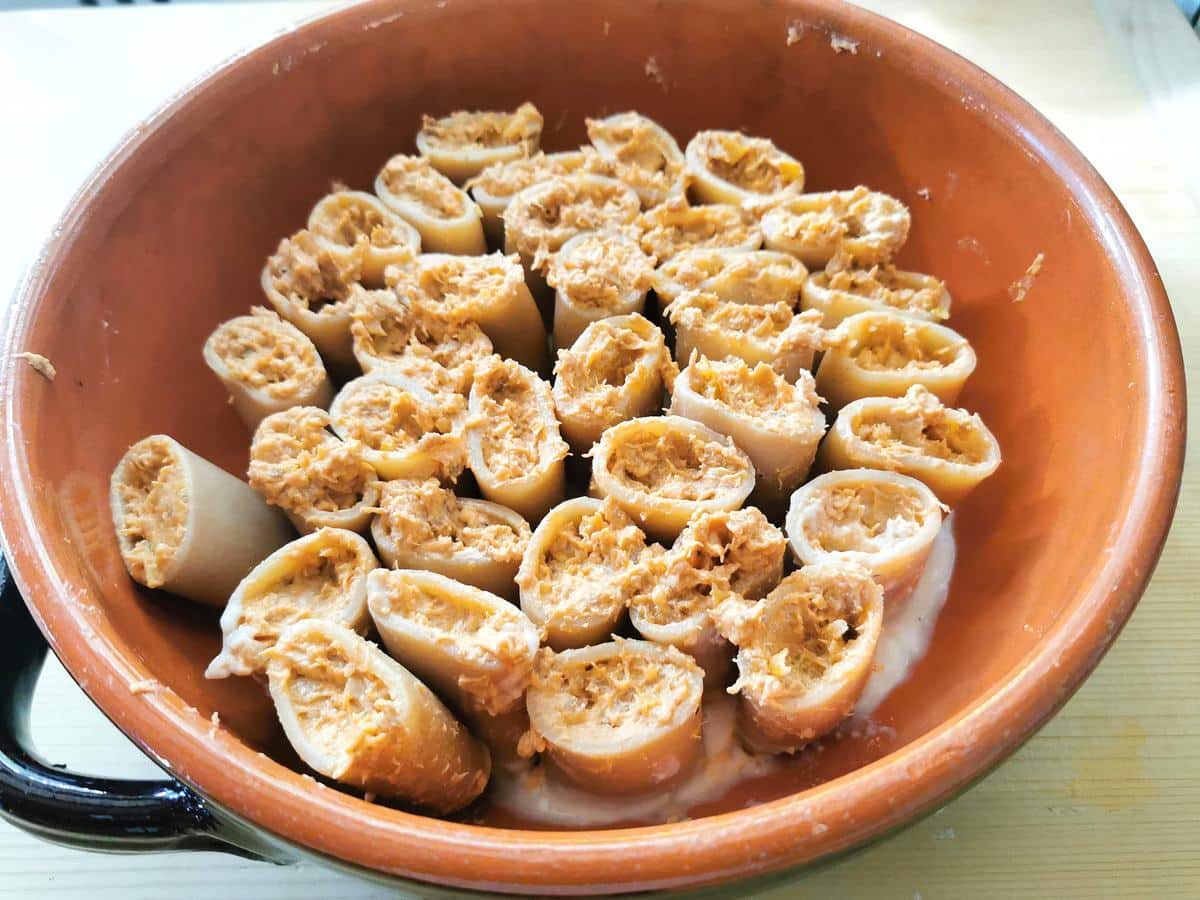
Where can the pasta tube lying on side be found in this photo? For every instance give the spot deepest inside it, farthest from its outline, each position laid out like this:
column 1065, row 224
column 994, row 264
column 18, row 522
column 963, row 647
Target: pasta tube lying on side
column 883, row 354
column 267, row 365
column 663, row 470
column 731, row 167
column 322, row 575
column 764, row 333
column 617, row 718
column 860, row 225
column 643, row 153
column 402, row 331
column 842, row 293
column 596, row 275
column 716, row 554
column 313, row 288
column 883, row 521
column 675, row 226
column 464, row 143
column 616, row 370
column 187, row 526
column 513, row 443
column 950, row 450
column 350, row 222
column 472, row 647
column 779, row 424
column 578, row 571
column 495, row 186
column 357, row 716
column 422, row 525
column 805, row 653
column 491, row 292
column 448, row 219
column 319, row 481
column 405, row 431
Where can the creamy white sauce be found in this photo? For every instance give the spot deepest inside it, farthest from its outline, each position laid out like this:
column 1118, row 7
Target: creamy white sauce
column 536, row 794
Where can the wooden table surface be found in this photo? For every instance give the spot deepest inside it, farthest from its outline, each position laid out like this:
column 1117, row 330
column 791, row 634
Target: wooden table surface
column 1104, row 802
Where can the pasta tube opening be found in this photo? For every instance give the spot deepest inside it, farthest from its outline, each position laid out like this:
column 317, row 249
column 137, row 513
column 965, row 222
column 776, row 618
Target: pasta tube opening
column 357, row 716
column 860, row 225
column 355, row 222
column 883, row 521
column 577, row 571
column 731, row 167
column 644, row 154
column 882, row 354
column 267, row 365
column 321, row 575
column 596, row 275
column 618, row 718
column 950, row 450
column 844, row 292
column 447, row 219
column 185, row 525
column 675, row 226
column 804, row 653
column 405, row 431
column 464, row 143
column 421, row 525
column 662, row 470
column 513, row 442
column 616, row 370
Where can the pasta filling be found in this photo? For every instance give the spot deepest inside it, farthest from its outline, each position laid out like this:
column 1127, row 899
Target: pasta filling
column 676, row 464
column 414, row 178
column 864, row 518
column 920, row 423
column 752, row 164
column 491, row 129
column 614, row 698
column 154, row 504
column 772, row 325
column 897, row 345
column 347, row 221
column 502, row 180
column 315, row 586
column 647, row 160
column 424, row 516
column 759, row 393
column 515, row 438
column 759, row 277
column 263, row 354
column 299, row 465
column 561, row 208
column 387, row 418
column 675, row 226
column 591, row 378
column 311, row 277
column 600, row 272
column 588, row 563
column 891, row 286
column 389, row 329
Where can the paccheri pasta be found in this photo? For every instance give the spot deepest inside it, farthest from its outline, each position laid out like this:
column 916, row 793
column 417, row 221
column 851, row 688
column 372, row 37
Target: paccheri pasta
column 464, row 143
column 421, row 525
column 616, row 370
column 596, row 275
column 573, row 634
column 267, row 365
column 778, row 422
column 320, row 481
column 355, row 223
column 843, row 292
column 883, row 354
column 950, row 450
column 322, row 575
column 883, row 521
column 446, row 217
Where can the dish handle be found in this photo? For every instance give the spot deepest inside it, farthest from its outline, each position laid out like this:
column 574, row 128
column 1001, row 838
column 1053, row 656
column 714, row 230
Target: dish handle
column 83, row 811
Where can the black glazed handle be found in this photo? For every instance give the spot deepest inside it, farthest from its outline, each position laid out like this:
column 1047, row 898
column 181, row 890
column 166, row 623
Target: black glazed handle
column 82, row 811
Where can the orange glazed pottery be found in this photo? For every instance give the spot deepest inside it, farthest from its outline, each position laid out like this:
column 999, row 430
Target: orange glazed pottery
column 1081, row 381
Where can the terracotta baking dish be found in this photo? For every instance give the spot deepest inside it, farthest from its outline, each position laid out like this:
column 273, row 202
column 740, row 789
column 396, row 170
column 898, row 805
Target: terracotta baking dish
column 1081, row 381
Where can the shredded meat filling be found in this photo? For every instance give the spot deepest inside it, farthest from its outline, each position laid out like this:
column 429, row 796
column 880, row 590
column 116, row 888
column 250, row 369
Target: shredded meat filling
column 515, row 436
column 772, row 325
column 889, row 285
column 864, row 518
column 299, row 465
column 591, row 378
column 752, row 164
column 154, row 504
column 309, row 276
column 520, row 128
column 507, row 178
column 757, row 392
column 676, row 464
column 261, row 353
column 422, row 515
column 414, row 178
column 315, row 586
column 896, row 345
column 645, row 159
column 556, row 210
column 919, row 422
column 600, row 272
column 347, row 221
column 675, row 226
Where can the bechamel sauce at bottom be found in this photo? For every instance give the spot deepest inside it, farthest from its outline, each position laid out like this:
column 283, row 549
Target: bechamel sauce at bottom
column 535, row 794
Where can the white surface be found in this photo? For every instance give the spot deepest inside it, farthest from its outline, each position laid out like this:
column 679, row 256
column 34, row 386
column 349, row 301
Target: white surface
column 72, row 81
